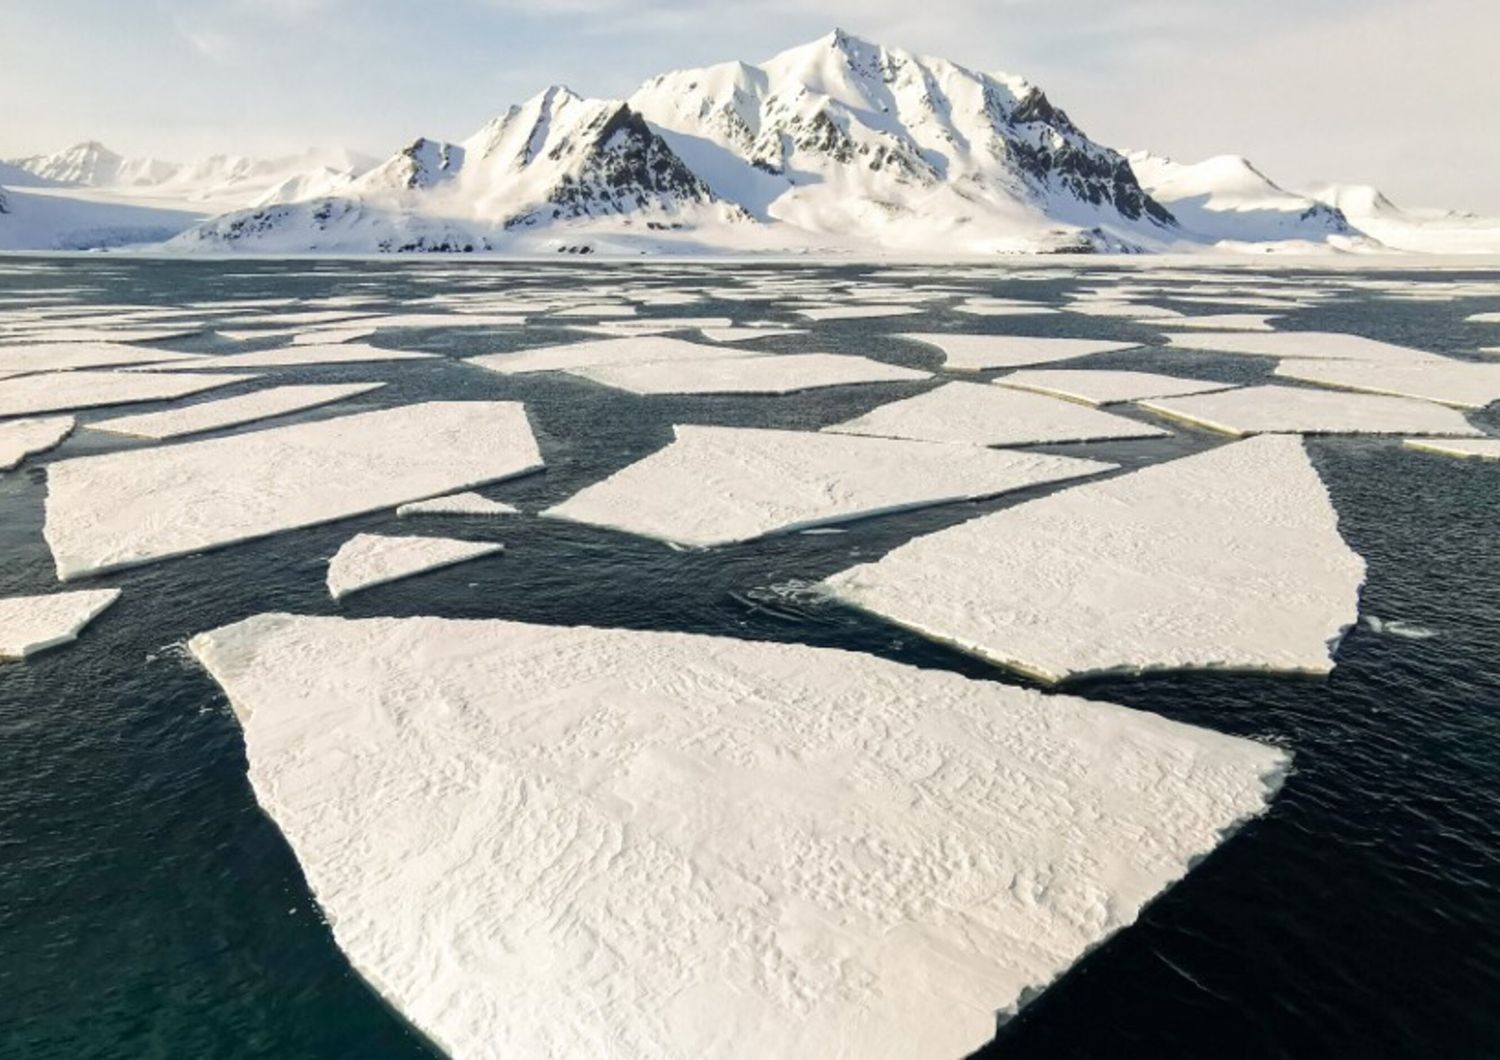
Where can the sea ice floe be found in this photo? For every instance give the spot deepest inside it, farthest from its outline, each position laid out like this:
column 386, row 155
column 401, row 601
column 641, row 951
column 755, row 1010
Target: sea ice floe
column 756, row 374
column 1464, row 384
column 21, row 438
column 333, row 336
column 368, row 560
column 60, row 391
column 558, row 842
column 65, row 356
column 747, row 334
column 975, row 353
column 310, row 353
column 231, row 412
column 1000, row 307
column 1219, row 322
column 981, row 414
column 1106, row 387
column 719, row 485
column 1303, row 410
column 122, row 509
column 1310, row 345
column 1484, row 318
column 457, row 504
column 640, row 349
column 597, row 309
column 1132, row 310
column 1480, row 448
column 1227, row 559
column 855, row 312
column 32, row 624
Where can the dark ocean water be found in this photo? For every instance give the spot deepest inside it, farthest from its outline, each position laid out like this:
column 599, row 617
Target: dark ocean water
column 148, row 908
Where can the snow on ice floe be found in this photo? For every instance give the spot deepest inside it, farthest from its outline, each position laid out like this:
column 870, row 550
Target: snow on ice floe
column 747, row 334
column 1309, row 345
column 1219, row 322
column 594, row 353
column 331, row 337
column 1302, row 410
column 1002, row 307
column 66, row 356
column 856, row 312
column 720, row 485
column 368, row 560
column 1106, row 387
column 60, row 391
column 1131, row 310
column 32, row 624
column 127, row 508
column 22, row 438
column 1464, row 384
column 975, row 353
column 554, row 842
column 457, row 504
column 310, row 353
column 231, row 412
column 981, row 414
column 752, row 374
column 1477, row 448
column 1226, row 559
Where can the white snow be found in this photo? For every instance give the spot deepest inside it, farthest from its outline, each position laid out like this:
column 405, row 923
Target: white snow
column 1106, row 387
column 760, row 374
column 367, row 560
column 32, row 624
column 457, row 504
column 1464, row 384
column 58, row 391
column 127, row 508
column 1480, row 448
column 638, row 349
column 230, row 412
column 857, row 312
column 21, row 438
column 65, row 356
column 1301, row 410
column 1226, row 559
column 310, row 353
column 975, row 353
column 981, row 414
column 565, row 842
column 1308, row 345
column 719, row 485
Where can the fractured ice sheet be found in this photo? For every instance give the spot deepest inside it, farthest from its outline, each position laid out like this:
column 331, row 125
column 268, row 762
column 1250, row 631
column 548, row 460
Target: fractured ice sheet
column 1465, row 384
column 974, row 353
column 32, row 624
column 981, row 414
column 1311, row 345
column 1106, row 387
column 856, row 312
column 21, row 438
column 1302, row 410
column 65, row 356
column 127, row 508
column 563, row 842
column 639, row 349
column 230, row 412
column 457, row 504
column 55, row 392
column 719, row 485
column 310, row 353
column 1226, row 559
column 1477, row 448
column 368, row 560
column 762, row 374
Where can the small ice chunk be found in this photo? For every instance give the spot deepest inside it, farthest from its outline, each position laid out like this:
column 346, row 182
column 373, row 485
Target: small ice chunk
column 720, row 485
column 975, row 353
column 1396, row 627
column 310, row 353
column 747, row 334
column 32, row 624
column 367, row 560
column 1229, row 559
column 1105, row 387
column 457, row 504
column 856, row 312
column 559, row 841
column 758, row 374
column 127, row 508
column 981, row 414
column 1002, row 307
column 1219, row 322
column 66, row 356
column 1134, row 310
column 1301, row 410
column 332, row 336
column 21, row 438
column 1464, row 384
column 1478, row 448
column 55, row 392
column 597, row 309
column 637, row 349
column 1311, row 345
column 1484, row 318
column 230, row 412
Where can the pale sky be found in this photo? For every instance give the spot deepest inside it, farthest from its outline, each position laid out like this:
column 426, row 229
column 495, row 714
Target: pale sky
column 1404, row 94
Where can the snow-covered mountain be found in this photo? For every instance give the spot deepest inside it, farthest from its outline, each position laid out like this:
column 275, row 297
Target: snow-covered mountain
column 1419, row 231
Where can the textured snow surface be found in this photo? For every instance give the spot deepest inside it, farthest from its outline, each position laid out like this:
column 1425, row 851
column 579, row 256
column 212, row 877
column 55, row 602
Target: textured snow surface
column 1482, row 448
column 1301, row 410
column 122, row 509
column 636, row 349
column 32, row 624
column 457, row 504
column 65, row 356
column 1226, row 559
column 1105, row 387
column 717, row 485
column 978, row 352
column 552, row 842
column 229, row 412
column 1465, row 384
column 1311, row 345
column 311, row 353
column 367, row 560
column 763, row 374
column 21, row 438
column 55, row 392
column 981, row 414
